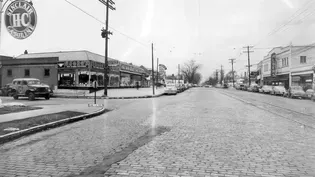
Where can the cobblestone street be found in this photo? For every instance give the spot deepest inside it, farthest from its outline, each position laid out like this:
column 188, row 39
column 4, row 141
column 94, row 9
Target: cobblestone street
column 215, row 135
column 211, row 134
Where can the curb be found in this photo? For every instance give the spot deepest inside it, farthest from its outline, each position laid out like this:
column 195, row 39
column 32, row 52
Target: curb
column 101, row 97
column 32, row 130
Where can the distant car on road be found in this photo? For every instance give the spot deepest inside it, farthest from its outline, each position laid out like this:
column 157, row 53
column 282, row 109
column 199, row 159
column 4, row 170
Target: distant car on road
column 31, row 88
column 266, row 89
column 296, row 92
column 278, row 90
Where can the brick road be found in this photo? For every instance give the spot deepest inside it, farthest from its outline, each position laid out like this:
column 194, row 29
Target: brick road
column 71, row 149
column 215, row 135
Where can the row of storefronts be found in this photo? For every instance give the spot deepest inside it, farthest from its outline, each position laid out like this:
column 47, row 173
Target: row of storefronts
column 288, row 66
column 73, row 70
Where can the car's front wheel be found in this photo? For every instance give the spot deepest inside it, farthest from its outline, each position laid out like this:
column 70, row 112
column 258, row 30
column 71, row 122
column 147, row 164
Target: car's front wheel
column 31, row 96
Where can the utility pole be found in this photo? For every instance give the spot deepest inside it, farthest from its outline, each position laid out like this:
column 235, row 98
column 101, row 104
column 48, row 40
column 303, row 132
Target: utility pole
column 221, row 74
column 217, row 76
column 232, row 62
column 109, row 5
column 179, row 78
column 153, row 85
column 157, row 70
column 248, row 51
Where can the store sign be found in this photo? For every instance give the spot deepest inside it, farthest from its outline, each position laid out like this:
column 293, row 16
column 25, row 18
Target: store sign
column 97, row 65
column 20, row 19
column 296, row 78
column 273, row 65
column 131, row 68
column 76, row 64
column 113, row 62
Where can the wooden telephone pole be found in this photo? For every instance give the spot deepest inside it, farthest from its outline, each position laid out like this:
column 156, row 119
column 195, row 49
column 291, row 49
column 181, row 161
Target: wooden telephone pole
column 248, row 51
column 232, row 62
column 109, row 5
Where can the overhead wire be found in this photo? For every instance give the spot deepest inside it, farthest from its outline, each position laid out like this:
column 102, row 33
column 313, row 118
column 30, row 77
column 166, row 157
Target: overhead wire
column 293, row 17
column 121, row 33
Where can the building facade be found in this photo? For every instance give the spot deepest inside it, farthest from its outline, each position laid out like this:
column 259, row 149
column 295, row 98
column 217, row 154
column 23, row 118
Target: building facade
column 289, row 66
column 44, row 69
column 72, row 70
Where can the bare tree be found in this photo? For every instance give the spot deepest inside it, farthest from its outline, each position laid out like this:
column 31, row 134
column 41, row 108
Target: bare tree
column 190, row 72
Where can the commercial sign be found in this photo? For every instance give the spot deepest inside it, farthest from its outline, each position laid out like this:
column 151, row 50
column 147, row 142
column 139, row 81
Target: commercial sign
column 76, row 64
column 130, row 68
column 273, row 65
column 113, row 62
column 97, row 65
column 20, row 19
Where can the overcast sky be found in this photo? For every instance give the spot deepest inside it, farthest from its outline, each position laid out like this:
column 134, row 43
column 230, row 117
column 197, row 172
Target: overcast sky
column 209, row 31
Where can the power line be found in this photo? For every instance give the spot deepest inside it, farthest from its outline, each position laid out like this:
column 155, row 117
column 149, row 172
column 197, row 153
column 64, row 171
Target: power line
column 293, row 17
column 143, row 44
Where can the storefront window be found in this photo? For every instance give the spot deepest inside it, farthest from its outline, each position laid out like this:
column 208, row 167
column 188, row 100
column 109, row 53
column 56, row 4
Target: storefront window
column 66, row 80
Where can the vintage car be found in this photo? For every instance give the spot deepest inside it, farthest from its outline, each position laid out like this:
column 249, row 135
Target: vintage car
column 266, row 89
column 253, row 88
column 31, row 88
column 278, row 90
column 296, row 92
column 170, row 89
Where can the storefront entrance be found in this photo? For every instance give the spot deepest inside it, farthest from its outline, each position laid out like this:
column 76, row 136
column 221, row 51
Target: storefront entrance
column 279, row 80
column 305, row 81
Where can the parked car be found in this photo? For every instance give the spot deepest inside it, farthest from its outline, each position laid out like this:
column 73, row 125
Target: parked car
column 170, row 89
column 309, row 93
column 253, row 88
column 31, row 88
column 278, row 90
column 242, row 87
column 266, row 89
column 296, row 92
column 6, row 90
column 225, row 86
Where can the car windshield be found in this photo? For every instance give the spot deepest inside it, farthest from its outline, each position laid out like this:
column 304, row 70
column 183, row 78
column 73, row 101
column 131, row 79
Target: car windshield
column 33, row 82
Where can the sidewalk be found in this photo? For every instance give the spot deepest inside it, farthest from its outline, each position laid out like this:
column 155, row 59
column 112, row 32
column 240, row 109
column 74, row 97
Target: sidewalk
column 115, row 93
column 132, row 92
column 50, row 109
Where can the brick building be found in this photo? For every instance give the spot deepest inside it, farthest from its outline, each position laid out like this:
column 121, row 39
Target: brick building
column 71, row 70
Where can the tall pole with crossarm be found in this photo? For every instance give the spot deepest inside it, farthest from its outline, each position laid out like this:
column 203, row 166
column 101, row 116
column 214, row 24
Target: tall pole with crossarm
column 109, row 5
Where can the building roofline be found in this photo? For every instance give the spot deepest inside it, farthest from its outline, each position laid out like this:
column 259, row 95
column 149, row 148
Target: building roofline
column 67, row 51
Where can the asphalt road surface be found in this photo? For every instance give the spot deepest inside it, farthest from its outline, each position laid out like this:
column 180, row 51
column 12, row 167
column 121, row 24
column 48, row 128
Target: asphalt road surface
column 212, row 134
